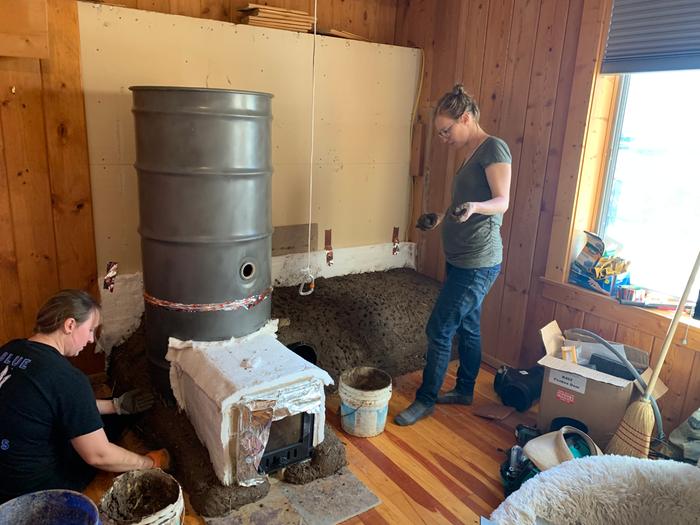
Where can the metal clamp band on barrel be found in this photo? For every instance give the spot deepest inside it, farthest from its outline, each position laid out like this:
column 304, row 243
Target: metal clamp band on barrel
column 247, row 303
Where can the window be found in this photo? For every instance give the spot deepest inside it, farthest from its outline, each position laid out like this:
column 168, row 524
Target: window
column 651, row 201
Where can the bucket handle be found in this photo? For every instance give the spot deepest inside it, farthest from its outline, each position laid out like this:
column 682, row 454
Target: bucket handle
column 340, row 411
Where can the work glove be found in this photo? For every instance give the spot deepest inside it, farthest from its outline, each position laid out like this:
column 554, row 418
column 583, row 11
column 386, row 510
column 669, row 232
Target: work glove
column 133, row 402
column 161, row 458
column 427, row 221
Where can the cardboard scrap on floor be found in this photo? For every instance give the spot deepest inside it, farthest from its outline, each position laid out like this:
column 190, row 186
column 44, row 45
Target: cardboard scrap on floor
column 495, row 411
column 324, row 501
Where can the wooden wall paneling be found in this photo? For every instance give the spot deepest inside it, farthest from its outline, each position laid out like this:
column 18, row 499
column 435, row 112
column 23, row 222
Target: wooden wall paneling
column 66, row 139
column 491, row 93
column 69, row 171
column 531, row 348
column 593, row 24
column 598, row 325
column 22, row 122
column 373, row 19
column 11, row 321
column 351, row 16
column 692, row 396
column 445, row 53
column 23, row 29
column 675, row 374
column 500, row 16
column 220, row 10
column 541, row 313
column 414, row 28
column 475, row 47
column 384, row 28
column 470, row 44
column 418, row 138
column 160, row 6
column 509, row 121
column 632, row 337
column 455, row 157
column 568, row 316
column 520, row 229
column 471, row 39
column 631, row 317
column 192, row 8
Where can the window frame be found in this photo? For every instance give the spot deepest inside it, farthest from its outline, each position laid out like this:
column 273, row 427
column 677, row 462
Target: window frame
column 608, row 174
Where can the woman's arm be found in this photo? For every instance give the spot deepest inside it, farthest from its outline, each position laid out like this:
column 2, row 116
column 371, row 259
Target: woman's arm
column 96, row 450
column 498, row 177
column 106, row 406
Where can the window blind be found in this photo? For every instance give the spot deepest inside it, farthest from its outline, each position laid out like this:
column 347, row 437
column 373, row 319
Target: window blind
column 653, row 35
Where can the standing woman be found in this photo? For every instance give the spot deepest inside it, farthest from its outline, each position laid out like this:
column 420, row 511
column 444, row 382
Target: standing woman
column 51, row 432
column 473, row 247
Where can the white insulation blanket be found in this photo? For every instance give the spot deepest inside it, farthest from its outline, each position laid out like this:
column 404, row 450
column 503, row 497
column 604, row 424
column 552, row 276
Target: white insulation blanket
column 233, row 390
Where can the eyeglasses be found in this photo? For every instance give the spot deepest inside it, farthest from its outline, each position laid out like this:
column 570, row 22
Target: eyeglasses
column 445, row 132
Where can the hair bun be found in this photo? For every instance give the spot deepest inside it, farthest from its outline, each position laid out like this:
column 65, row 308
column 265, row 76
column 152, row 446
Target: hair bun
column 458, row 89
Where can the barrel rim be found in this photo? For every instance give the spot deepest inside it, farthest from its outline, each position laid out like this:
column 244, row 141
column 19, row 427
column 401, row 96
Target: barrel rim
column 184, row 88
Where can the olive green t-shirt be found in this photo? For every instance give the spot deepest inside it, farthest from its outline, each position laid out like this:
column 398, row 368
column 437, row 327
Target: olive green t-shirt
column 477, row 242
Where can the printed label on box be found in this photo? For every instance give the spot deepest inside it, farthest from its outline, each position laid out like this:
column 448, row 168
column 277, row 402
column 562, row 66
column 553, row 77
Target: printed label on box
column 565, row 397
column 573, row 382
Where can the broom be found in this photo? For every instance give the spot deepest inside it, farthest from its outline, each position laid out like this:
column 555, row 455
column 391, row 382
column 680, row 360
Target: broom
column 633, row 436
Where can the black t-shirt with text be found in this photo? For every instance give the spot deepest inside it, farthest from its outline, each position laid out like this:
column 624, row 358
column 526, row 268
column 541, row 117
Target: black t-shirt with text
column 44, row 403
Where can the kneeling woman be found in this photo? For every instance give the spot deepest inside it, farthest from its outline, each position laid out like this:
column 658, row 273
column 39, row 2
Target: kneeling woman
column 51, row 432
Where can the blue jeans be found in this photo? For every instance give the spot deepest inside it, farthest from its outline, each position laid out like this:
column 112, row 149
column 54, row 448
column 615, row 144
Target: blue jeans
column 456, row 311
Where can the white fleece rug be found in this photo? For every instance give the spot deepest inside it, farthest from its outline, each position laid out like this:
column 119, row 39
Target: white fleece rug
column 600, row 490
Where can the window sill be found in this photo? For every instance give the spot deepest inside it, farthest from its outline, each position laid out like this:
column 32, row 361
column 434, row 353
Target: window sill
column 647, row 320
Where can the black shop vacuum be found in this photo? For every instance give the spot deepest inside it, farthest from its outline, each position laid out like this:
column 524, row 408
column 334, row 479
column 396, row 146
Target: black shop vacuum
column 518, row 388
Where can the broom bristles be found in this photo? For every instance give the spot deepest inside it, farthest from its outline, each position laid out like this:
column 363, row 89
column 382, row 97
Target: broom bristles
column 633, row 436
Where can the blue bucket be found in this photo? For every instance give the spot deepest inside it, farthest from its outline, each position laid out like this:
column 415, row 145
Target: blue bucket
column 49, row 507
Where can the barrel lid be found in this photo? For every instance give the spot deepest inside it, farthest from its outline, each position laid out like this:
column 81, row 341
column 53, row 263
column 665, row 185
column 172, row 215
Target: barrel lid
column 202, row 89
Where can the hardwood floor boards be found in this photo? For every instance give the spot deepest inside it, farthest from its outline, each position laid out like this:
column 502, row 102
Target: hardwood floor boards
column 443, row 469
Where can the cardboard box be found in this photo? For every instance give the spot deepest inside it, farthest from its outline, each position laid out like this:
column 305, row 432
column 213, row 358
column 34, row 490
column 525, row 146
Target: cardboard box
column 572, row 390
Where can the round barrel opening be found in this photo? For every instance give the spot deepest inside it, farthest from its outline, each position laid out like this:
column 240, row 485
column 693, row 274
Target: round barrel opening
column 248, row 270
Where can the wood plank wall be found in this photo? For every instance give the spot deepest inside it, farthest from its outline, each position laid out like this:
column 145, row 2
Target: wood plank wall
column 372, row 19
column 46, row 230
column 517, row 57
column 531, row 65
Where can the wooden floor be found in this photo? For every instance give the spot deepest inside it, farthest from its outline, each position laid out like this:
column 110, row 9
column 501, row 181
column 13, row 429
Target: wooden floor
column 443, row 469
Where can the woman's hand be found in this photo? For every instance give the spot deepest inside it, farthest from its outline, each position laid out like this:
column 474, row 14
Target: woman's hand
column 429, row 221
column 462, row 212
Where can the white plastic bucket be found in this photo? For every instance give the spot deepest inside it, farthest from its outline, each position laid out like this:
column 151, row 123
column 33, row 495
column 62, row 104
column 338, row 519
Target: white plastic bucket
column 143, row 497
column 364, row 400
